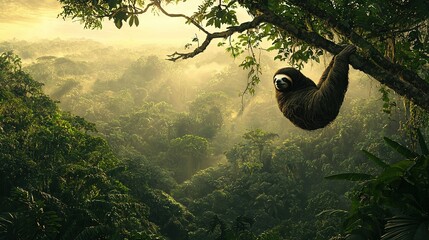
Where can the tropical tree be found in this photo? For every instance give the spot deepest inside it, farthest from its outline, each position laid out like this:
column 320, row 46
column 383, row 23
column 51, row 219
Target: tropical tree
column 187, row 154
column 254, row 152
column 57, row 177
column 205, row 118
column 392, row 37
column 282, row 200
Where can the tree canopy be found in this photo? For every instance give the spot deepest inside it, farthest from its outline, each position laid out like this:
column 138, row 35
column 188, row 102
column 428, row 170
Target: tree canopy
column 392, row 36
column 60, row 181
column 160, row 169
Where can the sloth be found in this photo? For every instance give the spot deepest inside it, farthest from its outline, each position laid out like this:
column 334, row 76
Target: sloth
column 310, row 106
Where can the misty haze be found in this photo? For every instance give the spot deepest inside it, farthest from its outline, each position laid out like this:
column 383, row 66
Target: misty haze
column 102, row 136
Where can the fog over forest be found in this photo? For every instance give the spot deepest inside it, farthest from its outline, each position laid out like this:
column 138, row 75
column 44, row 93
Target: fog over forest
column 73, row 70
column 195, row 157
column 103, row 138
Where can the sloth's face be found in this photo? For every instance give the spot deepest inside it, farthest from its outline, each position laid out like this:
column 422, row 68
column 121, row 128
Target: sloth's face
column 282, row 82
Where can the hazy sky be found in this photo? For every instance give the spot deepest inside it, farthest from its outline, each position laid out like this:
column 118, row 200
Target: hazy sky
column 37, row 19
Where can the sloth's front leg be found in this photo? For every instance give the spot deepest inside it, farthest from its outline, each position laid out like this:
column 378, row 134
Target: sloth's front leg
column 346, row 52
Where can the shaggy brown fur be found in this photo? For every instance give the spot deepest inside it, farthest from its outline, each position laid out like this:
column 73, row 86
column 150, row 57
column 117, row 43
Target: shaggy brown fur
column 310, row 106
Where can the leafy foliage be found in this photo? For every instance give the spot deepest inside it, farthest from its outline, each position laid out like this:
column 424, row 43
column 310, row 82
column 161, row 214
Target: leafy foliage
column 392, row 204
column 392, row 50
column 258, row 176
column 56, row 180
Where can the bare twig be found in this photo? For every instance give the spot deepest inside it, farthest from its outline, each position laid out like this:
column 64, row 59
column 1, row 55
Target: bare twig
column 141, row 11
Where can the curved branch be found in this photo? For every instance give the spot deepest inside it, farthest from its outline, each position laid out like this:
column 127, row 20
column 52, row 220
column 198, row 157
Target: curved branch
column 403, row 81
column 224, row 34
column 141, row 11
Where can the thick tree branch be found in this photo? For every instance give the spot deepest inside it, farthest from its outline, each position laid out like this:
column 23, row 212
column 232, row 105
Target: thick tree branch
column 390, row 77
column 403, row 81
column 355, row 38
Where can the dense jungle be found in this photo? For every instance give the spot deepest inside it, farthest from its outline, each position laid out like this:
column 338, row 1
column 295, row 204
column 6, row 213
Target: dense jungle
column 100, row 141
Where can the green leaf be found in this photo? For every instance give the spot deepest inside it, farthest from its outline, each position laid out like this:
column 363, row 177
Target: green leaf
column 136, row 21
column 390, row 175
column 403, row 165
column 395, row 171
column 400, row 149
column 131, row 21
column 112, row 3
column 331, row 212
column 422, row 143
column 378, row 161
column 118, row 23
column 350, row 177
column 406, row 228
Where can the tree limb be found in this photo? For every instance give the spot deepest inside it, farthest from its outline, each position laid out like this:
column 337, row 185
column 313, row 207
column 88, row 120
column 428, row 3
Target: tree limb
column 210, row 36
column 388, row 75
column 405, row 74
column 403, row 81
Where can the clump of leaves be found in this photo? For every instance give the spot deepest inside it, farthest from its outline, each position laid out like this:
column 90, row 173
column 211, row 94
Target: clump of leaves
column 393, row 204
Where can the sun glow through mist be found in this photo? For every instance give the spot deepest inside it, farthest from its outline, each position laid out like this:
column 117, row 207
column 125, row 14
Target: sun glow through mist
column 36, row 20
